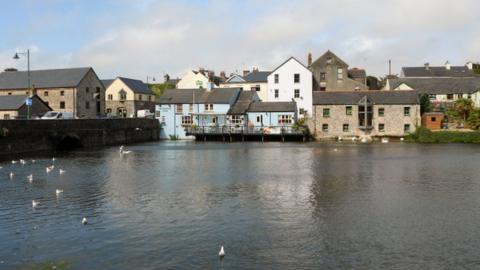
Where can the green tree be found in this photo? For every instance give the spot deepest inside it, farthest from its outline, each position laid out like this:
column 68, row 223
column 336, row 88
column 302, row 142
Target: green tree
column 159, row 88
column 425, row 104
column 464, row 108
column 474, row 119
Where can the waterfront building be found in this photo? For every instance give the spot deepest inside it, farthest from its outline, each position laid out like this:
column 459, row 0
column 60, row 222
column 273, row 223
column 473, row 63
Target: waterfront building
column 443, row 91
column 178, row 109
column 75, row 90
column 365, row 113
column 291, row 81
column 272, row 116
column 15, row 107
column 254, row 81
column 198, row 79
column 330, row 73
column 125, row 97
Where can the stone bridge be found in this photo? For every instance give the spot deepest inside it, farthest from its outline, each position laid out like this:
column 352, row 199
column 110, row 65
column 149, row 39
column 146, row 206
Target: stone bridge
column 27, row 136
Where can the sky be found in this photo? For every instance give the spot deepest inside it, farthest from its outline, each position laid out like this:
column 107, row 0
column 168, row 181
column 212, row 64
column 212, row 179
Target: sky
column 151, row 38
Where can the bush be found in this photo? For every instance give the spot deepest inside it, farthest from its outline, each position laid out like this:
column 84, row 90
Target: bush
column 424, row 135
column 174, row 137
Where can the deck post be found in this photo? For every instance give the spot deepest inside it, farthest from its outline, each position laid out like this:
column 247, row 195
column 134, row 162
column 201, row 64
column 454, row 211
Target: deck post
column 204, row 138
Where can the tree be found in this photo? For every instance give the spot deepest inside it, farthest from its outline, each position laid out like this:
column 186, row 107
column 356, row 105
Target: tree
column 425, row 104
column 464, row 108
column 474, row 119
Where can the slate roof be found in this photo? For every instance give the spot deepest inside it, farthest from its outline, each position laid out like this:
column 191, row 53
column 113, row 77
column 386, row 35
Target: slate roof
column 257, row 76
column 357, row 73
column 136, row 86
column 202, row 96
column 259, row 106
column 243, row 103
column 377, row 97
column 107, row 83
column 51, row 78
column 439, row 85
column 441, row 71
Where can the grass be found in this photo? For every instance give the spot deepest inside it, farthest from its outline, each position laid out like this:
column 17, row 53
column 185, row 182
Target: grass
column 424, row 135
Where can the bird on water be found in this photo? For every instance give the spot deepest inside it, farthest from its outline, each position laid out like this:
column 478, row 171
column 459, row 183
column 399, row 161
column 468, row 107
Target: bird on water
column 221, row 253
column 84, row 221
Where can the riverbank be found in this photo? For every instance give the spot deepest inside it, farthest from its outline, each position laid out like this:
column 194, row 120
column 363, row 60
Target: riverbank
column 424, row 135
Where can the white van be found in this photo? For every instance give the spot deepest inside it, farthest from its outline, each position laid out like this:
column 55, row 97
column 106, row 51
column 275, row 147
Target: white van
column 57, row 115
column 145, row 114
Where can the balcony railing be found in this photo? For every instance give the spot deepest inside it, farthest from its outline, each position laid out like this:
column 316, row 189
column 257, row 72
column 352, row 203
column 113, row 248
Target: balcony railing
column 241, row 130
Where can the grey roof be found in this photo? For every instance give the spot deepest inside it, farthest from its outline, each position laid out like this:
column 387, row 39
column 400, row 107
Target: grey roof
column 442, row 71
column 51, row 78
column 286, row 62
column 107, row 83
column 243, row 102
column 357, row 73
column 257, row 76
column 202, row 96
column 376, row 96
column 136, row 86
column 439, row 85
column 11, row 103
column 259, row 106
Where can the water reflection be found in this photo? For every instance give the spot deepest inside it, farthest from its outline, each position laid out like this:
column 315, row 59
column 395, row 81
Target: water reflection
column 272, row 205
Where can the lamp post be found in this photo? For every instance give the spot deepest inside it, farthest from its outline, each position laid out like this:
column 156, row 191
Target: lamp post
column 16, row 57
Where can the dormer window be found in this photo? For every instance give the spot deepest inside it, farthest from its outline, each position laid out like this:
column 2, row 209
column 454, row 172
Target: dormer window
column 122, row 95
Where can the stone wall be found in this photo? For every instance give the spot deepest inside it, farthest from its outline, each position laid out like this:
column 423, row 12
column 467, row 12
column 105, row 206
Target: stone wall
column 393, row 120
column 26, row 136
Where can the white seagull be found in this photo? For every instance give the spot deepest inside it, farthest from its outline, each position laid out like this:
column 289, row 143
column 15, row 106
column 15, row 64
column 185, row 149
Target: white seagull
column 30, row 178
column 11, row 175
column 53, row 159
column 384, row 140
column 58, row 191
column 221, row 254
column 33, row 160
column 122, row 152
column 402, row 139
column 35, row 203
column 84, row 221
column 14, row 161
column 62, row 171
column 50, row 168
column 23, row 162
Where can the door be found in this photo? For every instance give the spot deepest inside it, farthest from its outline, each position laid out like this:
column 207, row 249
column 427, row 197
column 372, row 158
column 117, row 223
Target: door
column 122, row 112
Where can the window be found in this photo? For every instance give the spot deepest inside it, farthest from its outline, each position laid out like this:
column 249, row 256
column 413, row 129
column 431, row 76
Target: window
column 163, row 119
column 432, row 96
column 214, row 120
column 45, row 94
column 179, row 108
column 149, row 98
column 236, row 119
column 365, row 113
column 340, row 73
column 62, row 104
column 296, row 78
column 109, row 110
column 323, row 76
column 10, row 93
column 27, row 93
column 190, row 108
column 326, row 112
column 325, row 127
column 208, row 107
column 122, row 95
column 434, row 119
column 257, row 88
column 87, row 105
column 276, row 93
column 62, row 93
column 6, row 116
column 302, row 111
column 345, row 127
column 97, row 90
column 406, row 128
column 381, row 112
column 381, row 127
column 139, row 97
column 469, row 96
column 406, row 111
column 285, row 119
column 459, row 96
column 259, row 118
column 296, row 93
column 276, row 78
column 449, row 96
column 186, row 120
column 87, row 90
column 348, row 110
column 110, row 97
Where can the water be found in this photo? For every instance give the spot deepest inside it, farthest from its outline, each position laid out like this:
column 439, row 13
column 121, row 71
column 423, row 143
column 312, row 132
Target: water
column 170, row 205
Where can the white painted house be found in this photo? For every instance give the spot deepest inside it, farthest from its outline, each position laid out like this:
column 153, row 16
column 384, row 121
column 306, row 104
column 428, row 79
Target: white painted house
column 292, row 81
column 193, row 79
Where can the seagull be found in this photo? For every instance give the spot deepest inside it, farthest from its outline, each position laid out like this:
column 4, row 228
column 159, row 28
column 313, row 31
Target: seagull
column 384, row 140
column 11, row 175
column 35, row 203
column 340, row 138
column 30, row 178
column 50, row 168
column 53, row 159
column 363, row 140
column 58, row 191
column 354, row 139
column 1, row 167
column 84, row 221
column 401, row 139
column 23, row 162
column 61, row 171
column 14, row 161
column 221, row 254
column 122, row 152
column 33, row 160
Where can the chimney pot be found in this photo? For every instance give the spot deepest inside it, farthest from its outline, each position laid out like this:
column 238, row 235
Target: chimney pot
column 309, row 59
column 245, row 72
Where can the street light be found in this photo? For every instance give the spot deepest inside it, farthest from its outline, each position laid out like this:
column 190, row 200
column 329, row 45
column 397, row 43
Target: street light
column 16, row 57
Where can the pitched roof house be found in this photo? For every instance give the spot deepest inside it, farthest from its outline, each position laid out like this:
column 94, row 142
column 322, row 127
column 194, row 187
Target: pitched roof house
column 428, row 71
column 14, row 107
column 125, row 97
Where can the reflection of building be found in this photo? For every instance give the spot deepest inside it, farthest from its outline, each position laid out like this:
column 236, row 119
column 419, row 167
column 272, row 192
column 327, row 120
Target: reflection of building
column 76, row 90
column 124, row 97
column 365, row 113
column 15, row 107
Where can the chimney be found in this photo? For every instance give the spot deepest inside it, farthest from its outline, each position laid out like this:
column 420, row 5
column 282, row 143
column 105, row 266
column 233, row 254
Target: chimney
column 427, row 66
column 309, row 59
column 222, row 75
column 245, row 72
column 202, row 70
column 447, row 65
column 211, row 74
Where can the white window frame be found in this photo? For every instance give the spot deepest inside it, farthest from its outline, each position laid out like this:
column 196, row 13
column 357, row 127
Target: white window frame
column 284, row 119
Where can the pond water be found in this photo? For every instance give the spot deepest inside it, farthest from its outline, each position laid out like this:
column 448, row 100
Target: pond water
column 170, row 205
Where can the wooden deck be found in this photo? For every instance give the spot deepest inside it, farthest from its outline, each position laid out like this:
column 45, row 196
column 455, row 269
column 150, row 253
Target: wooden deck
column 232, row 133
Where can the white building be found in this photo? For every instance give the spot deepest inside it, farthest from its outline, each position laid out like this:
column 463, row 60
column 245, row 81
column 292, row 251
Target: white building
column 292, row 81
column 193, row 79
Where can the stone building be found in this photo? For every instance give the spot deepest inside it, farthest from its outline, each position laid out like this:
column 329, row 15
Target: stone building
column 75, row 90
column 330, row 73
column 365, row 114
column 15, row 107
column 124, row 97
